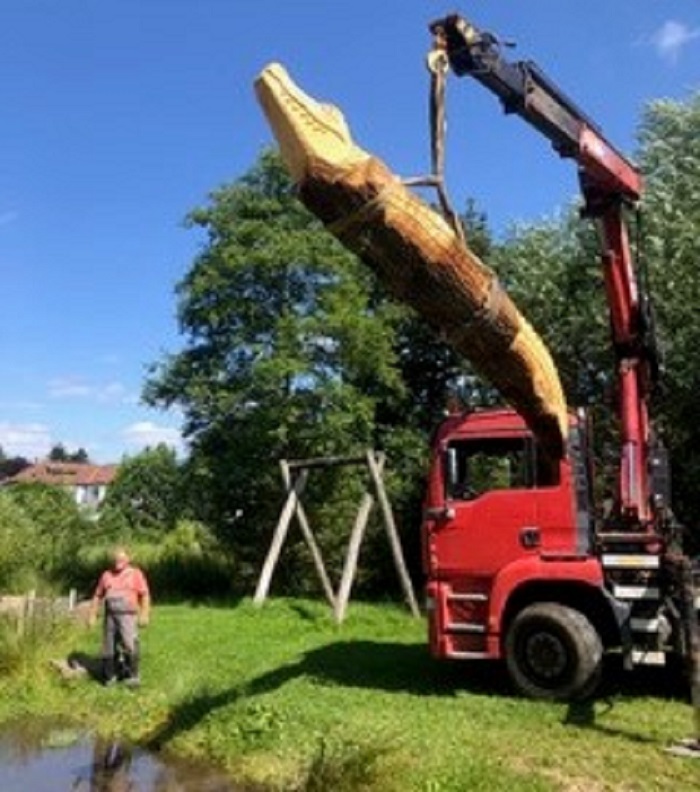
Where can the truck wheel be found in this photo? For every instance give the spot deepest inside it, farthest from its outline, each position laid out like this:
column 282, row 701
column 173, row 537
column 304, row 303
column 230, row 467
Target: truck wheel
column 553, row 652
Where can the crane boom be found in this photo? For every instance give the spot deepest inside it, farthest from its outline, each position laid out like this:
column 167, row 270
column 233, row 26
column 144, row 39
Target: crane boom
column 609, row 183
column 523, row 88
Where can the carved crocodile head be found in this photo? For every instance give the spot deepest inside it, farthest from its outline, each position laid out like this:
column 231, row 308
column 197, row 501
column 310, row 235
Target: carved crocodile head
column 306, row 130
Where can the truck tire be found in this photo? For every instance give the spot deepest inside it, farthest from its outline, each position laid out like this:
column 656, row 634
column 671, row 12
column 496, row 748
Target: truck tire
column 553, row 652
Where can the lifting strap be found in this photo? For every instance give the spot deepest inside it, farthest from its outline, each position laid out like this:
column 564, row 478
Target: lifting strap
column 438, row 66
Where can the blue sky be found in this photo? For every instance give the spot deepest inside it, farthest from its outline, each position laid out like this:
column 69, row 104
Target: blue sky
column 121, row 117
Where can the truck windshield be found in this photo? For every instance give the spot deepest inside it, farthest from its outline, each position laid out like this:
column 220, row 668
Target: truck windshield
column 485, row 464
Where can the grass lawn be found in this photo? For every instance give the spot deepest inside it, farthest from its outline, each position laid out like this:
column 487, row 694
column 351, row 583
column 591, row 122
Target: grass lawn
column 284, row 698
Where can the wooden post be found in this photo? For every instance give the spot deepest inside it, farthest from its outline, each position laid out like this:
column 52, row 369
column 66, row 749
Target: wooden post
column 353, row 551
column 309, row 537
column 392, row 534
column 294, row 484
column 279, row 537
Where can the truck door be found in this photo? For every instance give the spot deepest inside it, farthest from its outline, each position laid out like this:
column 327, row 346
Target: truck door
column 491, row 504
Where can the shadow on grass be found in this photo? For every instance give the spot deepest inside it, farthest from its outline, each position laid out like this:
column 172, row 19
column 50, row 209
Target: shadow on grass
column 393, row 667
column 401, row 668
column 667, row 683
column 590, row 714
column 90, row 664
column 408, row 668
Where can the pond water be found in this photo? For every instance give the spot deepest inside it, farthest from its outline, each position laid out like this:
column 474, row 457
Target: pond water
column 39, row 756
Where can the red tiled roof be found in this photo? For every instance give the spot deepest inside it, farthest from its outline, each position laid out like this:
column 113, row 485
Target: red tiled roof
column 74, row 474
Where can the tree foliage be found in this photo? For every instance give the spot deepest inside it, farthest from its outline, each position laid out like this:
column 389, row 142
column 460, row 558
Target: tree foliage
column 11, row 465
column 17, row 546
column 146, row 496
column 59, row 453
column 289, row 353
column 670, row 158
column 292, row 350
column 553, row 270
column 48, row 534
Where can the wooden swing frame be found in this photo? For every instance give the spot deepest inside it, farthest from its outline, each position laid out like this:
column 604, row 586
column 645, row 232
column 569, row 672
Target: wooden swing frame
column 295, row 474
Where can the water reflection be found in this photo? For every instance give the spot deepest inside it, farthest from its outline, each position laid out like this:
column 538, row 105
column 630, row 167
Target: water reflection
column 43, row 757
column 110, row 771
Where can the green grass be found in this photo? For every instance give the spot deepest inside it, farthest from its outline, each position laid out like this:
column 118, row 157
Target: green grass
column 285, row 699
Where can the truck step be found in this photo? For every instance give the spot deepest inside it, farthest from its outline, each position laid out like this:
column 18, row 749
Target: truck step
column 650, row 658
column 456, row 655
column 630, row 561
column 636, row 592
column 466, row 627
column 645, row 625
column 467, row 597
column 623, row 537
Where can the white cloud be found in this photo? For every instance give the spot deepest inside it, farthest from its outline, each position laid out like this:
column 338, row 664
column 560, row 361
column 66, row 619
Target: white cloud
column 671, row 38
column 31, row 440
column 67, row 388
column 141, row 434
column 77, row 388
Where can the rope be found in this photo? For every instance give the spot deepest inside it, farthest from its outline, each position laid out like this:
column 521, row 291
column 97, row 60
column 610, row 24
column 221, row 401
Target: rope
column 438, row 66
column 359, row 216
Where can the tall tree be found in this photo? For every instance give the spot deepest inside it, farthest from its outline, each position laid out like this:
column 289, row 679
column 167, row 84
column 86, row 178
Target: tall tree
column 670, row 158
column 553, row 271
column 58, row 453
column 11, row 466
column 146, row 495
column 288, row 351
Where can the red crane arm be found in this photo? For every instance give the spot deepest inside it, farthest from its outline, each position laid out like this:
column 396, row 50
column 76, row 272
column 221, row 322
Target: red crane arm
column 609, row 183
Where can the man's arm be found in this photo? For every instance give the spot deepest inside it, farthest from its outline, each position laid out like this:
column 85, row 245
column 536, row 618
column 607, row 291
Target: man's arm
column 144, row 608
column 96, row 601
column 144, row 599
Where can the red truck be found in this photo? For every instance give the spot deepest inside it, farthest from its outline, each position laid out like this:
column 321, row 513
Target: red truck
column 522, row 564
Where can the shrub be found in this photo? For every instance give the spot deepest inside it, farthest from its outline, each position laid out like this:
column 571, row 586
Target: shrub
column 187, row 562
column 27, row 640
column 18, row 547
column 57, row 527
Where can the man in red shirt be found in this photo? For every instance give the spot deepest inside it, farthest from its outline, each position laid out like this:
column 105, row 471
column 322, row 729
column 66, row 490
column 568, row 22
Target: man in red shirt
column 127, row 604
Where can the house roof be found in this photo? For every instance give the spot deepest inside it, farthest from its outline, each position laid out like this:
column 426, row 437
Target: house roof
column 72, row 474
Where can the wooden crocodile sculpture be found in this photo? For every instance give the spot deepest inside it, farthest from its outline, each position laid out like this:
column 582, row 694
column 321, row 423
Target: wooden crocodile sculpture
column 414, row 253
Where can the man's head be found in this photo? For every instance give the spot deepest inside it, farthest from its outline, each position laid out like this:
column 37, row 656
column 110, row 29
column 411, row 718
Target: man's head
column 120, row 558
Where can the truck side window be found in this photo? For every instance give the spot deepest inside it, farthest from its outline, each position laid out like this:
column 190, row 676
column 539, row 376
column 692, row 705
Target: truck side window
column 485, row 464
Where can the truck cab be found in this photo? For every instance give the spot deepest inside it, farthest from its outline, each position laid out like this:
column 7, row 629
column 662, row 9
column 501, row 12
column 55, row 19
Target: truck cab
column 509, row 551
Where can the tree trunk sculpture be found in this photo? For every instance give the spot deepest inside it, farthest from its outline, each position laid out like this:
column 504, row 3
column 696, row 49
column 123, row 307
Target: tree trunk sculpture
column 414, row 253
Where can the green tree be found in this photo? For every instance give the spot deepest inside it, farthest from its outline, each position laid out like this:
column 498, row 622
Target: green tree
column 146, row 496
column 18, row 546
column 670, row 158
column 553, row 271
column 59, row 454
column 289, row 351
column 58, row 527
column 11, row 466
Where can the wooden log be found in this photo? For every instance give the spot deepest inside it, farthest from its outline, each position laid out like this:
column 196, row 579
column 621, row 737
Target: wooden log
column 352, row 556
column 414, row 253
column 309, row 537
column 278, row 538
column 392, row 534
